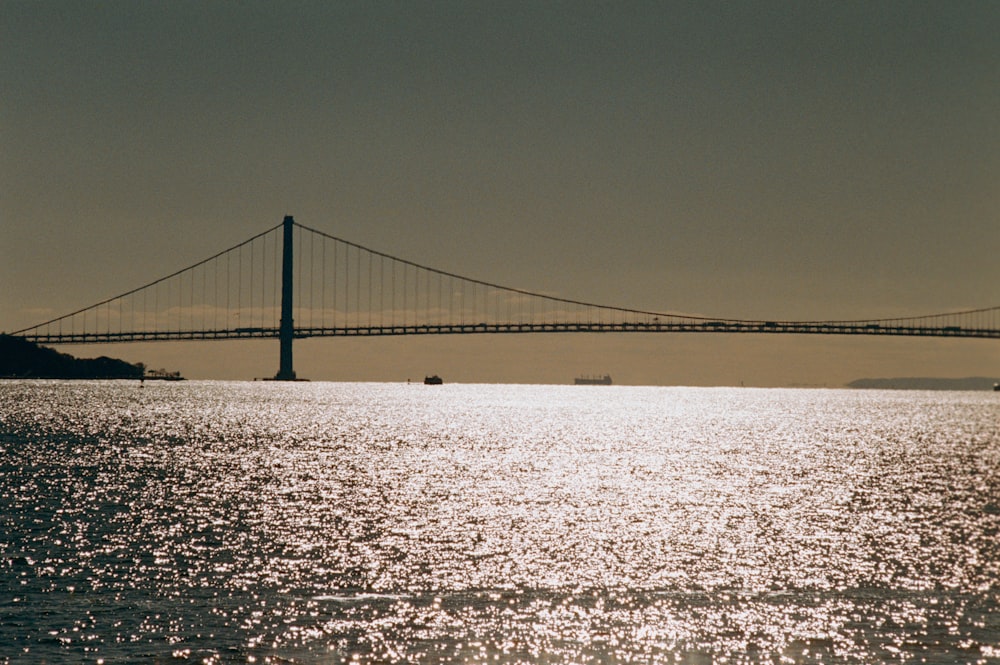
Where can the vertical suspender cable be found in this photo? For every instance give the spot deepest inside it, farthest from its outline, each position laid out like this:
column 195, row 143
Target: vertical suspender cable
column 347, row 286
column 297, row 316
column 239, row 290
column 336, row 281
column 357, row 291
column 312, row 276
column 323, row 283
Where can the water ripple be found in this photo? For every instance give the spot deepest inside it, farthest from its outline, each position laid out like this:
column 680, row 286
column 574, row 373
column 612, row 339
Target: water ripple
column 227, row 522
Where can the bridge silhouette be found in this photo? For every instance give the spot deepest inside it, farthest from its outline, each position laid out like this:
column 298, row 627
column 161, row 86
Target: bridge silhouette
column 292, row 282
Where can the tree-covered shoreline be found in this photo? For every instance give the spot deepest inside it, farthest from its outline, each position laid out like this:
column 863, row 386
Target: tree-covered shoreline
column 21, row 359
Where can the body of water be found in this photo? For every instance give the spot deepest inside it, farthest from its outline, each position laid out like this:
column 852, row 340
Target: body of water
column 324, row 523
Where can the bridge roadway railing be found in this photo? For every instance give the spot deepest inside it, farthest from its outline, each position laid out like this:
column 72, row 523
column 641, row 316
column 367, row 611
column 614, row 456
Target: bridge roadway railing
column 803, row 328
column 730, row 327
column 115, row 337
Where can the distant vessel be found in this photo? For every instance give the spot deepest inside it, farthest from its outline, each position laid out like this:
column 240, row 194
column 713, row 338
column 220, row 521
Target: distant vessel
column 593, row 380
column 433, row 380
column 161, row 375
column 996, row 386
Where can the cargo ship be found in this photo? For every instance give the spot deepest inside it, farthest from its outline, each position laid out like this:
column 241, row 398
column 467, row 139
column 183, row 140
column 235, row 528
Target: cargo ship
column 593, row 380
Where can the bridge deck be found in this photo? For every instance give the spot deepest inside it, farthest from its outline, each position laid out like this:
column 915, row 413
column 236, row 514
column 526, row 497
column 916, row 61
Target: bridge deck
column 727, row 327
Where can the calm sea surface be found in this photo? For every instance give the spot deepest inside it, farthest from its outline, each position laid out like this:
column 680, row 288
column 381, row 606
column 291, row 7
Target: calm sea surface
column 322, row 523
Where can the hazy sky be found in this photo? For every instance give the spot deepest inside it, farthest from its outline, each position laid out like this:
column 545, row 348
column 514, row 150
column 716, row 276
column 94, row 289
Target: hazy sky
column 767, row 160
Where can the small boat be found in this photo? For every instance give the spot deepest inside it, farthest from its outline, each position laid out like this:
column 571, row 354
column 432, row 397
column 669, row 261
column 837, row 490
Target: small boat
column 433, row 380
column 996, row 386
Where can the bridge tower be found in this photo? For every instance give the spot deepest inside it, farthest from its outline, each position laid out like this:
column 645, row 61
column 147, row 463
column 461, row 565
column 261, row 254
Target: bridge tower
column 286, row 330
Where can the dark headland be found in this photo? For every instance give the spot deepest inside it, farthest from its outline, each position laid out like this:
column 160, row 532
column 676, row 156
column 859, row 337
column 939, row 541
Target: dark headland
column 926, row 383
column 21, row 359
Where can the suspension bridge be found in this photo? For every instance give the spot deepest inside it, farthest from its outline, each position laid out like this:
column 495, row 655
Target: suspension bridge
column 292, row 281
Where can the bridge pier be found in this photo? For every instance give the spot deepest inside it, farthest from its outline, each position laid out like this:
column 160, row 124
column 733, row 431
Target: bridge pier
column 286, row 329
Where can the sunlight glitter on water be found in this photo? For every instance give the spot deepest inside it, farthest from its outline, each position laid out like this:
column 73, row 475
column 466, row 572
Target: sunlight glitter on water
column 375, row 522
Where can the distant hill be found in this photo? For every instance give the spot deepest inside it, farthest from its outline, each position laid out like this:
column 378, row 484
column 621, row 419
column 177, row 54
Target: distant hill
column 924, row 383
column 20, row 358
